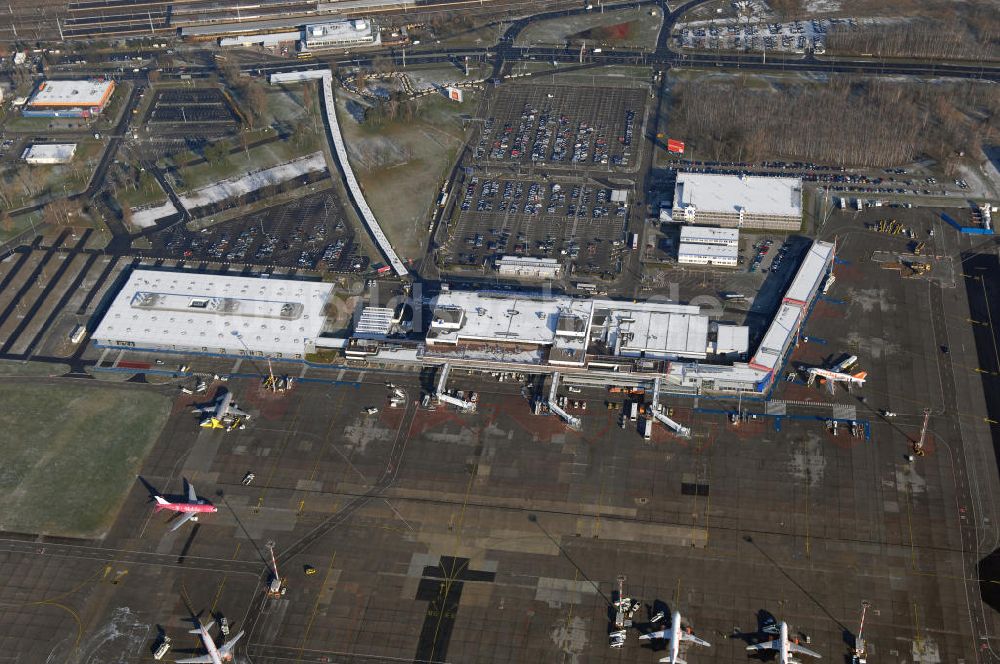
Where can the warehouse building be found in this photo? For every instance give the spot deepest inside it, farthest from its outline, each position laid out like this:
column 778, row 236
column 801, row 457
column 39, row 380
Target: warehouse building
column 692, row 253
column 49, row 153
column 215, row 314
column 340, row 34
column 526, row 267
column 69, row 99
column 738, row 201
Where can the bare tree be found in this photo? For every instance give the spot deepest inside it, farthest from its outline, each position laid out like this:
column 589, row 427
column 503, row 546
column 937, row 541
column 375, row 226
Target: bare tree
column 230, row 72
column 8, row 191
column 256, row 98
column 59, row 212
column 849, row 121
column 27, row 182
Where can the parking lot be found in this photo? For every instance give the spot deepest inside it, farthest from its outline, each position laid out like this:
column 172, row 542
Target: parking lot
column 195, row 111
column 578, row 127
column 311, row 233
column 795, row 36
column 499, row 216
column 544, row 179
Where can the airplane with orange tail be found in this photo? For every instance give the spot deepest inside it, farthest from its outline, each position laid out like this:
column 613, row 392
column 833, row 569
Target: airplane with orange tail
column 831, row 378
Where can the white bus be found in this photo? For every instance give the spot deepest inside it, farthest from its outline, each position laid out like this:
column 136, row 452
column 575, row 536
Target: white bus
column 79, row 332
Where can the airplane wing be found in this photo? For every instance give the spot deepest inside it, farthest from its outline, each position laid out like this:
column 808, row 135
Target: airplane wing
column 227, row 647
column 662, row 634
column 200, row 659
column 233, row 410
column 203, row 410
column 767, row 645
column 192, row 494
column 694, row 639
column 181, row 521
column 794, row 647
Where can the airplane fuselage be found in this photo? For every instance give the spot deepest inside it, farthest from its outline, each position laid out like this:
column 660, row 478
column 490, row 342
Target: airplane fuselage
column 209, row 642
column 855, row 379
column 675, row 637
column 199, row 507
column 223, row 408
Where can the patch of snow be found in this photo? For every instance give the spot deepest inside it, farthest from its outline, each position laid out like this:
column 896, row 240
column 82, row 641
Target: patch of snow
column 979, row 186
column 250, row 182
column 822, row 6
column 148, row 216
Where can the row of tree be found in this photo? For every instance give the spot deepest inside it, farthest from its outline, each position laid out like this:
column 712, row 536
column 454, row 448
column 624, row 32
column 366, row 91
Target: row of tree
column 847, row 121
column 250, row 91
column 972, row 37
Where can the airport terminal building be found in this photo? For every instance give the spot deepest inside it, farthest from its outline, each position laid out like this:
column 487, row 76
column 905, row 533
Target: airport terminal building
column 217, row 314
column 559, row 330
column 738, row 201
column 613, row 340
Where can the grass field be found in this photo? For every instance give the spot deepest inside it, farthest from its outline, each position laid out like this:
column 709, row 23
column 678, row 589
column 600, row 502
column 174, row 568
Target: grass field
column 18, row 368
column 70, row 454
column 402, row 165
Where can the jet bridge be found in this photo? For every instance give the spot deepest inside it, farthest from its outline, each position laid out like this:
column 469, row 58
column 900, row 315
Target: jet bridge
column 657, row 410
column 573, row 422
column 441, row 395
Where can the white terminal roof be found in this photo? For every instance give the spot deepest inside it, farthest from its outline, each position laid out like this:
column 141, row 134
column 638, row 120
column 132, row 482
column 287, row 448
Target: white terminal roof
column 732, row 339
column 810, row 272
column 730, row 193
column 710, row 234
column 738, row 373
column 712, row 251
column 71, row 93
column 777, row 337
column 161, row 309
column 510, row 318
column 51, row 151
column 658, row 329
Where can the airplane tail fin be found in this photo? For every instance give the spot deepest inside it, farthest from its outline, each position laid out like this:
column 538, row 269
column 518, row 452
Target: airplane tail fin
column 207, row 626
column 861, row 375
